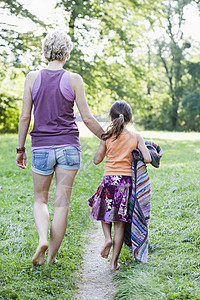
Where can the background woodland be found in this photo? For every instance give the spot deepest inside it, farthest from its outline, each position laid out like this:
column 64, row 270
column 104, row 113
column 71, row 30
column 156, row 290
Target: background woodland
column 117, row 53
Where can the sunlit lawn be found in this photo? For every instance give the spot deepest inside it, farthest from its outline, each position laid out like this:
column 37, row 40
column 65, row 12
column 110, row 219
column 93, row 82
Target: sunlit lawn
column 172, row 271
column 18, row 278
column 173, row 268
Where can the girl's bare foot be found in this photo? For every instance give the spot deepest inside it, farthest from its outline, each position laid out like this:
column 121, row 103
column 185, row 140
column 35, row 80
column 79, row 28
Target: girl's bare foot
column 106, row 249
column 115, row 267
column 38, row 258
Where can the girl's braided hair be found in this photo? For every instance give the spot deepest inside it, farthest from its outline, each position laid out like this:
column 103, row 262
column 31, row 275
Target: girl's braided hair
column 121, row 114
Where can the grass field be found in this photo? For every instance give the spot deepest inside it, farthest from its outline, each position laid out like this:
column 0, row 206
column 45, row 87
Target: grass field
column 18, row 278
column 173, row 268
column 172, row 271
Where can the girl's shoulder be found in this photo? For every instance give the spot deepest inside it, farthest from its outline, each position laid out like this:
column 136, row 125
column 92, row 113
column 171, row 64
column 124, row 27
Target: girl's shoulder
column 133, row 138
column 132, row 133
column 139, row 138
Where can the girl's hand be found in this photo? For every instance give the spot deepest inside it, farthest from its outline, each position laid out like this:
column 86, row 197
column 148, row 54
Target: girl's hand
column 21, row 160
column 100, row 154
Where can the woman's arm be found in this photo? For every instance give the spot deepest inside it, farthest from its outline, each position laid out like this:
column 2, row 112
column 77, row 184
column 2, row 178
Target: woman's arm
column 87, row 117
column 100, row 154
column 142, row 147
column 25, row 118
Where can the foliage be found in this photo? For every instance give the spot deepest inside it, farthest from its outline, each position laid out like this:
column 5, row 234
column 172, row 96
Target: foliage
column 110, row 30
column 191, row 110
column 172, row 52
column 167, row 78
column 117, row 57
column 14, row 47
column 194, row 71
column 16, row 8
column 190, row 106
column 9, row 113
column 11, row 39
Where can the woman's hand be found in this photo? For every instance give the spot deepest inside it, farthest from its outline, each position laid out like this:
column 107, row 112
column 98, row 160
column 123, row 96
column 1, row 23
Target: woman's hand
column 21, row 160
column 25, row 118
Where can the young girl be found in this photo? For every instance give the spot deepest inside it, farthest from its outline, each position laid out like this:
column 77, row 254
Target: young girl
column 110, row 202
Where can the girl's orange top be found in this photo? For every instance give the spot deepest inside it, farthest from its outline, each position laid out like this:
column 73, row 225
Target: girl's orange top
column 118, row 154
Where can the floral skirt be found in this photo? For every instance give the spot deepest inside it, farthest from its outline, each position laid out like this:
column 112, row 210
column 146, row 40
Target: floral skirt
column 110, row 202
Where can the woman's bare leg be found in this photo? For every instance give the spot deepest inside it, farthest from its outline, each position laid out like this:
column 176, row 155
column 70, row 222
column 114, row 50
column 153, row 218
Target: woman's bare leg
column 117, row 243
column 108, row 239
column 41, row 184
column 64, row 183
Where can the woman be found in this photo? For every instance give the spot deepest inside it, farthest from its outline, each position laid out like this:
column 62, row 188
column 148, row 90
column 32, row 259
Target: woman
column 55, row 139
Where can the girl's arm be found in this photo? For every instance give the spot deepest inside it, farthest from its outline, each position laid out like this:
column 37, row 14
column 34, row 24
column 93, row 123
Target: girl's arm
column 100, row 154
column 142, row 147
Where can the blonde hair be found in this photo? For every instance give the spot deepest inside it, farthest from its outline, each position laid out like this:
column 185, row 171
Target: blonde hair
column 57, row 45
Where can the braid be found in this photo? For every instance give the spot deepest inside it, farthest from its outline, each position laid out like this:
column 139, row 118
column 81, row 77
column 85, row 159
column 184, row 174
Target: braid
column 109, row 132
column 116, row 127
column 121, row 114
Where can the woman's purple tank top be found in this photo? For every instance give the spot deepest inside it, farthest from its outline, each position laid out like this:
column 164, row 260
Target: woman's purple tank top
column 54, row 119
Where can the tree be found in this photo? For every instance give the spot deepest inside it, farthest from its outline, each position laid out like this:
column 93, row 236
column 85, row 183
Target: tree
column 171, row 50
column 13, row 46
column 110, row 29
column 191, row 111
column 13, row 43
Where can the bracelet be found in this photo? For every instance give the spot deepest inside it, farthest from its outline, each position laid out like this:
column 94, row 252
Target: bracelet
column 21, row 150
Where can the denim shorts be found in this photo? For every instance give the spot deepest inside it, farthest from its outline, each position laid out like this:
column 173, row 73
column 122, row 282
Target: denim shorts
column 44, row 161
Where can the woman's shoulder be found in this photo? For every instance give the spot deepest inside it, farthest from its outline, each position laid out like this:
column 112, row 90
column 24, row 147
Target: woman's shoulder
column 30, row 78
column 75, row 76
column 76, row 80
column 32, row 75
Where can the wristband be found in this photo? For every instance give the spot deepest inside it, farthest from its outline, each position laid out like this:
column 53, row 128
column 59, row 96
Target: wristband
column 20, row 150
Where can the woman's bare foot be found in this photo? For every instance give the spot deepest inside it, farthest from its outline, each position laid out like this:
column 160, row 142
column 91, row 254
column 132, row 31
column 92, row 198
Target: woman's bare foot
column 52, row 261
column 106, row 249
column 38, row 258
column 115, row 267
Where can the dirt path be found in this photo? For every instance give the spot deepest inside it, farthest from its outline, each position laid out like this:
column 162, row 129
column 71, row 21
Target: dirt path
column 96, row 277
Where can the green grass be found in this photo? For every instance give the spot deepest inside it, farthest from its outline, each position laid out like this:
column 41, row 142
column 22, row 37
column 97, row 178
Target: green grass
column 18, row 278
column 172, row 271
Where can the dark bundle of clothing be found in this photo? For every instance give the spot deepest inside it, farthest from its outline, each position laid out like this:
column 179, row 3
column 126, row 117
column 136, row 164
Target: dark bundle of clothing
column 136, row 232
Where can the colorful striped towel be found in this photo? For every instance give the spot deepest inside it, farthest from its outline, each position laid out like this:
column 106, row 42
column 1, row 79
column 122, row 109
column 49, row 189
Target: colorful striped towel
column 136, row 233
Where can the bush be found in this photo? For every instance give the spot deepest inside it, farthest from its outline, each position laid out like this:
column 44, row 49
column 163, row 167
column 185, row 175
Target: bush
column 9, row 114
column 190, row 115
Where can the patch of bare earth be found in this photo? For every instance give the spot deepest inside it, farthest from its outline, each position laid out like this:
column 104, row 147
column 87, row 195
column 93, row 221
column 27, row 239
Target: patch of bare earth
column 96, row 277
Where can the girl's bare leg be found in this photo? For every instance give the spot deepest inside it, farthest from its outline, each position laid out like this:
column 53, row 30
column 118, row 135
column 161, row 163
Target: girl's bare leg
column 108, row 239
column 64, row 183
column 41, row 184
column 117, row 243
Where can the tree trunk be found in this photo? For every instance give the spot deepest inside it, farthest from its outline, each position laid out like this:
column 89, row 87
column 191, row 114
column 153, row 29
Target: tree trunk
column 174, row 112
